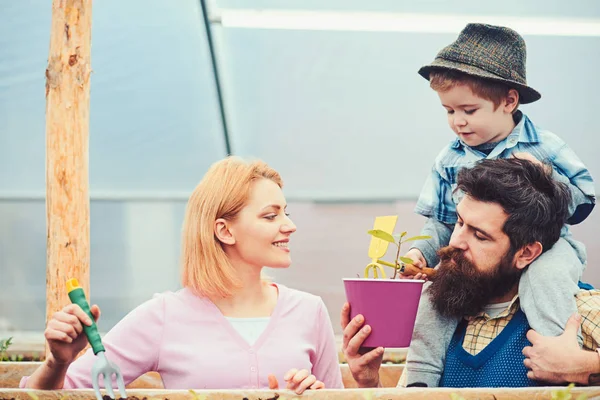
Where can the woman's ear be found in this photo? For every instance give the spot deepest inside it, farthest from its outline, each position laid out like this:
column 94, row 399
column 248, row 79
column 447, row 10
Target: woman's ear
column 528, row 254
column 223, row 232
column 512, row 101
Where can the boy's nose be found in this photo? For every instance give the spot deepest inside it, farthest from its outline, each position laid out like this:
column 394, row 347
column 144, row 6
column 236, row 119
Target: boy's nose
column 460, row 122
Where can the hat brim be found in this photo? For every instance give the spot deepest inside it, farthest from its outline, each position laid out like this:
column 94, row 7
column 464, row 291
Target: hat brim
column 527, row 94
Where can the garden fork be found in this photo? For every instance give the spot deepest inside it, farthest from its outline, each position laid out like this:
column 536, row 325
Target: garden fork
column 102, row 365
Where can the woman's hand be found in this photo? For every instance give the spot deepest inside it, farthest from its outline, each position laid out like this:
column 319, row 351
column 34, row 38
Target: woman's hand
column 298, row 381
column 64, row 333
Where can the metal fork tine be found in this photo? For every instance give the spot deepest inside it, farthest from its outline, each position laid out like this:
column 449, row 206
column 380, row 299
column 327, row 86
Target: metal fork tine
column 121, row 385
column 108, row 384
column 96, row 387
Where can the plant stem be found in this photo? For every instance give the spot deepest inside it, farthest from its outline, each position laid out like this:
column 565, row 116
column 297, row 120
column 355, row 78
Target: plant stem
column 396, row 261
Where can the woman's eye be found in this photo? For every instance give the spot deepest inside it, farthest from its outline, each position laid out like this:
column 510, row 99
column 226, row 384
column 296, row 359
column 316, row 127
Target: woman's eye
column 271, row 216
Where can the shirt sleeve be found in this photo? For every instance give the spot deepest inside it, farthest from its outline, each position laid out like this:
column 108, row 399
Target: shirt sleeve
column 326, row 366
column 133, row 345
column 435, row 200
column 440, row 237
column 569, row 169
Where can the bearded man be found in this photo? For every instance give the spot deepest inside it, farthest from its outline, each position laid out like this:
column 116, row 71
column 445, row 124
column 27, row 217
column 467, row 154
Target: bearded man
column 510, row 213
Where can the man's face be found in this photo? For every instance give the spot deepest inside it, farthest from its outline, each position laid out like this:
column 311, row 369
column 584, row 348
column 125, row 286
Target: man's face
column 478, row 266
column 478, row 233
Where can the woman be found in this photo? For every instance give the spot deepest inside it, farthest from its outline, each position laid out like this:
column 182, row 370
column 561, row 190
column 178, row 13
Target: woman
column 227, row 328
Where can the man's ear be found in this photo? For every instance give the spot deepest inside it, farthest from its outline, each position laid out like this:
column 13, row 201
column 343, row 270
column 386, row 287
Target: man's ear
column 512, row 101
column 527, row 254
column 223, row 232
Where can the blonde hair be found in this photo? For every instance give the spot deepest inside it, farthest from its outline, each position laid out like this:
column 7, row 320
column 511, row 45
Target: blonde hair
column 222, row 193
column 443, row 80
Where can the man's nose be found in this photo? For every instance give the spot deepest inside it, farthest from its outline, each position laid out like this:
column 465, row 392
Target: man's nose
column 457, row 239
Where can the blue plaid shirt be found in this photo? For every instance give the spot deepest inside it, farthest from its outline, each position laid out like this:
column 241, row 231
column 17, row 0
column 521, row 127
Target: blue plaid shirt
column 438, row 200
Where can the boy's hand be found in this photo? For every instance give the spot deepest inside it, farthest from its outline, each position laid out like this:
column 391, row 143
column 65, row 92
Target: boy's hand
column 418, row 261
column 531, row 157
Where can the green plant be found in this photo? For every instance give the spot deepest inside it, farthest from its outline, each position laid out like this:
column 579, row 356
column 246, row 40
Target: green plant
column 4, row 345
column 400, row 262
column 565, row 394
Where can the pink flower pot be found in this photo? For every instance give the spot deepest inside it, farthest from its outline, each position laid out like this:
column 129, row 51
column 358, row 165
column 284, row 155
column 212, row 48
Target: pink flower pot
column 389, row 307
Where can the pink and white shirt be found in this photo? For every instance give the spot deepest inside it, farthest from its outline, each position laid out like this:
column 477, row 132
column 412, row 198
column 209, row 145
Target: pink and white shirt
column 191, row 344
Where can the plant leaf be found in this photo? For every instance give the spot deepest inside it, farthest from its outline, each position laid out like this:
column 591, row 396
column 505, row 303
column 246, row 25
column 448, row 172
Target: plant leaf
column 403, row 234
column 406, row 260
column 383, row 235
column 416, row 238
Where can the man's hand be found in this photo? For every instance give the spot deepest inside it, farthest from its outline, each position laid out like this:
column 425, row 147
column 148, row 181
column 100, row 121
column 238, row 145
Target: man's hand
column 364, row 366
column 418, row 261
column 298, row 381
column 559, row 359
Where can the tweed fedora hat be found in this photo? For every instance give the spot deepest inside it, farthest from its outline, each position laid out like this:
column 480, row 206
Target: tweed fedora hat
column 489, row 52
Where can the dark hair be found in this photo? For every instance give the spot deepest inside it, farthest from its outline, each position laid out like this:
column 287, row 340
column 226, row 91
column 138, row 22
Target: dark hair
column 537, row 205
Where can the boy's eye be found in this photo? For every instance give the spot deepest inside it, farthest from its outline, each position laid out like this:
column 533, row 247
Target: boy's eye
column 470, row 112
column 450, row 112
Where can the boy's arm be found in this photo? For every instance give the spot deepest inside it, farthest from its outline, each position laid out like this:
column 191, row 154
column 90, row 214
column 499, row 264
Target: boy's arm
column 581, row 204
column 440, row 237
column 569, row 169
column 436, row 203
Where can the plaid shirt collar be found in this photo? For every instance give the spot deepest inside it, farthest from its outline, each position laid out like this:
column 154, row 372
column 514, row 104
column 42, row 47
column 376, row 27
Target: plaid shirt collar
column 523, row 132
column 510, row 310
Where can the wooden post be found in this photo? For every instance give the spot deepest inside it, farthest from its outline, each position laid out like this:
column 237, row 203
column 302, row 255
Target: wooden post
column 67, row 126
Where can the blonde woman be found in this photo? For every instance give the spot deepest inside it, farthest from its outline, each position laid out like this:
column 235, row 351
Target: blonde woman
column 227, row 328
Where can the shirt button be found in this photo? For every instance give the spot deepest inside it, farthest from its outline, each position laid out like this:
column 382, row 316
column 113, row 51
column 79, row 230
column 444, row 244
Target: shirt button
column 252, row 369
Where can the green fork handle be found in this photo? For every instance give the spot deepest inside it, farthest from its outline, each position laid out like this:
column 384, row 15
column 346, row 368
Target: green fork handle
column 77, row 296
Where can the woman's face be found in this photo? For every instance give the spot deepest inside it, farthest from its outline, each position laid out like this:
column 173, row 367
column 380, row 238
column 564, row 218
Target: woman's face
column 262, row 229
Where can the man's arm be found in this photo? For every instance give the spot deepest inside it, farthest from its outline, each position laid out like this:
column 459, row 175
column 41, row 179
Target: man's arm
column 560, row 359
column 364, row 366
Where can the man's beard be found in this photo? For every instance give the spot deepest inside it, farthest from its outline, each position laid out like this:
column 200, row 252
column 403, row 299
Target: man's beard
column 460, row 290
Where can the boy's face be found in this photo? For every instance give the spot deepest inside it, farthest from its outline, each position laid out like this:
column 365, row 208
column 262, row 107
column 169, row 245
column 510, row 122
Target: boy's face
column 474, row 119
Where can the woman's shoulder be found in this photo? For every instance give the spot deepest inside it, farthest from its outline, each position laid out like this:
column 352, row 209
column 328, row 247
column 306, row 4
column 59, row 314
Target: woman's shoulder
column 178, row 298
column 299, row 298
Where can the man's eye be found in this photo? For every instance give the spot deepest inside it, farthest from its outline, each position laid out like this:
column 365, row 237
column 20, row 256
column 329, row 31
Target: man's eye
column 480, row 238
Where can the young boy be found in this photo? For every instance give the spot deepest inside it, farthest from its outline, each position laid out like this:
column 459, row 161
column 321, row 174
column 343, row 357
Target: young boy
column 480, row 79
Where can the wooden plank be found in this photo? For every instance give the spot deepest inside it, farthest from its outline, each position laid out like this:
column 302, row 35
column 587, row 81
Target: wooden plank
column 67, row 126
column 330, row 394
